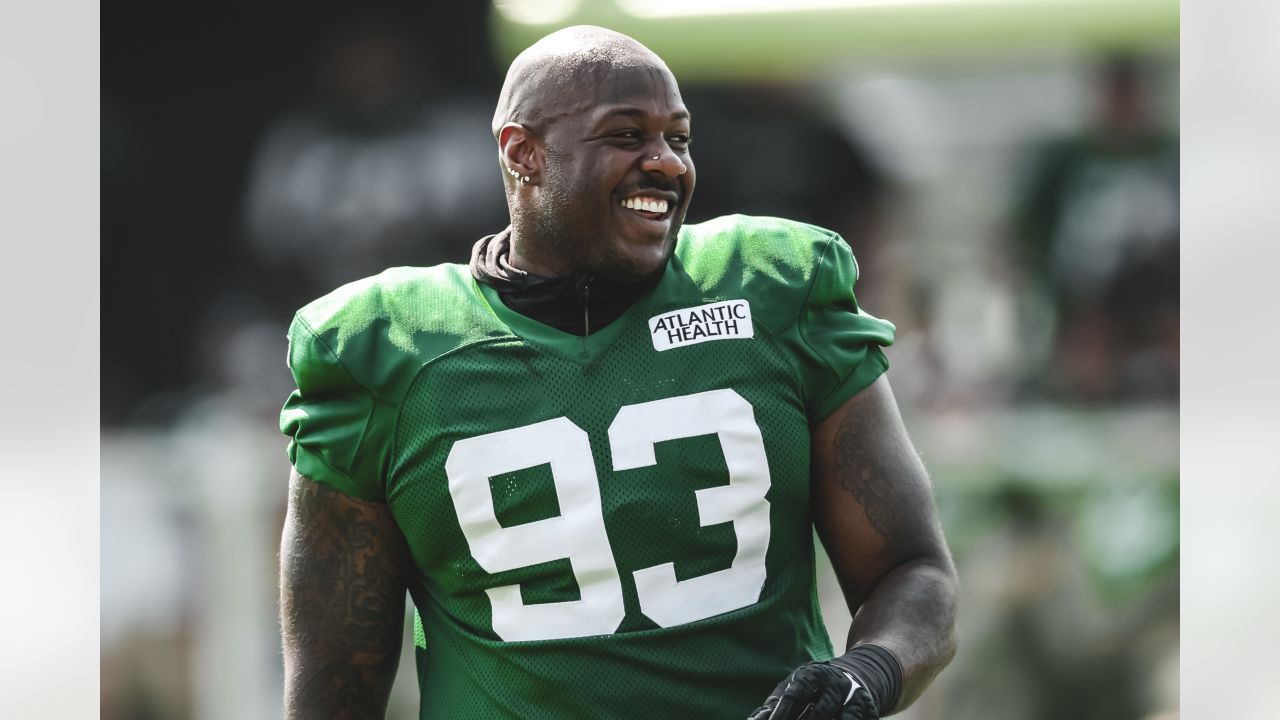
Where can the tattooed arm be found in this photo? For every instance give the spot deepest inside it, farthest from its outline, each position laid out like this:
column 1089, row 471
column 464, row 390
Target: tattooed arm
column 343, row 576
column 875, row 514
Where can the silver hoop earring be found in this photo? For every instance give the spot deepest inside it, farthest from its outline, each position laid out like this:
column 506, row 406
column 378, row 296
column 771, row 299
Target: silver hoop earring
column 683, row 169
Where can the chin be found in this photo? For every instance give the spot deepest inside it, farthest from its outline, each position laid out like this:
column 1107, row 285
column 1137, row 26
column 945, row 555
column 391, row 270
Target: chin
column 656, row 260
column 631, row 266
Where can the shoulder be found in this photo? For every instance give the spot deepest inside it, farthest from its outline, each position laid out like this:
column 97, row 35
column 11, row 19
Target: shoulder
column 394, row 294
column 377, row 331
column 757, row 240
column 772, row 258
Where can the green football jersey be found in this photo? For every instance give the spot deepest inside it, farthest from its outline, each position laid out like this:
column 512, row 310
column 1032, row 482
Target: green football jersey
column 608, row 526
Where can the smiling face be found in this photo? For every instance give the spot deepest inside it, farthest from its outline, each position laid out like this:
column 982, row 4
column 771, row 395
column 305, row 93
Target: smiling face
column 617, row 176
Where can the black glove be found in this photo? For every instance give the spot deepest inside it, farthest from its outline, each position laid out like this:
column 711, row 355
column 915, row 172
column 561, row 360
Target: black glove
column 819, row 691
column 854, row 686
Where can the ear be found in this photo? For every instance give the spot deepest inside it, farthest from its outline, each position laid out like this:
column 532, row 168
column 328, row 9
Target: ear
column 519, row 149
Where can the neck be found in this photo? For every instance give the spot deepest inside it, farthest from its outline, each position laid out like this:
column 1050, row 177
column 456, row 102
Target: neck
column 572, row 302
column 519, row 258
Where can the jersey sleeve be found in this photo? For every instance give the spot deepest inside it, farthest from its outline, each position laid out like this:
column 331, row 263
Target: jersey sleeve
column 337, row 428
column 838, row 345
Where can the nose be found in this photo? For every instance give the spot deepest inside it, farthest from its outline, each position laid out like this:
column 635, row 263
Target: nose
column 664, row 160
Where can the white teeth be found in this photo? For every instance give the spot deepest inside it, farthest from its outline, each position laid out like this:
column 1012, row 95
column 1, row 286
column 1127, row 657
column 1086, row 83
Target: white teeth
column 646, row 204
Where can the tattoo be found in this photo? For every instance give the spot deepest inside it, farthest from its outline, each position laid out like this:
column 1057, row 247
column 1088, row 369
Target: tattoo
column 342, row 570
column 878, row 474
column 888, row 552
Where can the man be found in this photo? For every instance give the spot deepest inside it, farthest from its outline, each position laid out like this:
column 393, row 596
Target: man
column 1097, row 231
column 595, row 457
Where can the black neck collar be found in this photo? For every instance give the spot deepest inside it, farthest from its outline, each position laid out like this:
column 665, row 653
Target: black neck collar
column 577, row 304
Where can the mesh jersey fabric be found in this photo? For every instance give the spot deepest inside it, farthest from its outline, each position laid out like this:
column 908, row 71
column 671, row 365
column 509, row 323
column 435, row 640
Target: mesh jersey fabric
column 603, row 529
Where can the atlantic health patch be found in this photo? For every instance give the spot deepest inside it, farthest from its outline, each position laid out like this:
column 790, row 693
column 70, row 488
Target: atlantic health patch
column 689, row 326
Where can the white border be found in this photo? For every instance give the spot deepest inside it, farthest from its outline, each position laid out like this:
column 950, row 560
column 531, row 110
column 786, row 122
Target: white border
column 49, row 546
column 1230, row 358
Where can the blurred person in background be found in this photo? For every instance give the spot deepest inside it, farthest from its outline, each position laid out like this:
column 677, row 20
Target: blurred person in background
column 498, row 440
column 1056, row 643
column 823, row 174
column 376, row 171
column 1097, row 226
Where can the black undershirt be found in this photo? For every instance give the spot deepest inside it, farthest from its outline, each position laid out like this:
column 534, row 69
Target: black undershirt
column 577, row 304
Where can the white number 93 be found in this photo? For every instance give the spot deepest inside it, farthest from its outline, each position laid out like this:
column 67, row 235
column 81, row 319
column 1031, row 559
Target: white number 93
column 578, row 533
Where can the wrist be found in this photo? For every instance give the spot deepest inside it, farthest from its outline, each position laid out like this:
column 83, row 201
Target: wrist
column 877, row 671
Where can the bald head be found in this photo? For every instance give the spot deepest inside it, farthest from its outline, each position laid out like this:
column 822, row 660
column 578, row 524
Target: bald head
column 547, row 80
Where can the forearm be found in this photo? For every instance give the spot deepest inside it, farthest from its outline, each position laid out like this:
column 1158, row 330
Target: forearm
column 911, row 612
column 901, row 637
column 331, row 671
column 341, row 605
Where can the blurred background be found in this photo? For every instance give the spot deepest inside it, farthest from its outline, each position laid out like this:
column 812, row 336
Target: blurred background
column 1005, row 171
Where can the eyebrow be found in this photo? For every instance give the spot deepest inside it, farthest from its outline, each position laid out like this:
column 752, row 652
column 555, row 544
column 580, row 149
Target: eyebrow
column 637, row 112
